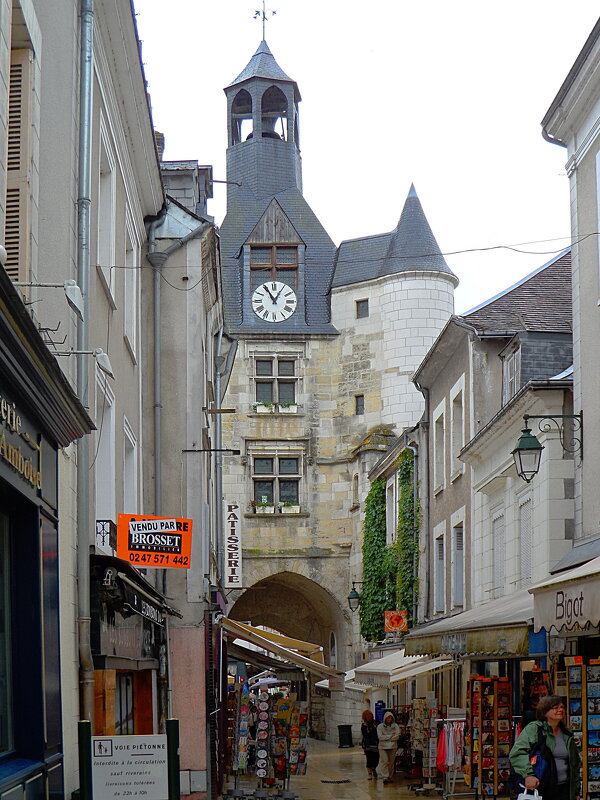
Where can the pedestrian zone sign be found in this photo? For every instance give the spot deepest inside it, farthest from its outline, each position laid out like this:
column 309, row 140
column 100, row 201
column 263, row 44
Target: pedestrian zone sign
column 156, row 542
column 133, row 767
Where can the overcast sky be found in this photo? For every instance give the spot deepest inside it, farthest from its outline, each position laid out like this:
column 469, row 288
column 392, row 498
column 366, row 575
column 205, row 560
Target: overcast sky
column 448, row 96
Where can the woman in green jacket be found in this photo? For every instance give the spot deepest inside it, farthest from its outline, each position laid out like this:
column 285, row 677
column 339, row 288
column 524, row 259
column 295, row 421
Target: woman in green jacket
column 550, row 714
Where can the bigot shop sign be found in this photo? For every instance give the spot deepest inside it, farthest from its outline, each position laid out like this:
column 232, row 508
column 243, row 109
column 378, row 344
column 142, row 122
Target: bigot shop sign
column 569, row 608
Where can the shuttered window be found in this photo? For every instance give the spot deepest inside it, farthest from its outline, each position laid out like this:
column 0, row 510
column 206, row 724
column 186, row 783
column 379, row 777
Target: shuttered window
column 439, row 574
column 499, row 555
column 458, row 566
column 526, row 537
column 17, row 228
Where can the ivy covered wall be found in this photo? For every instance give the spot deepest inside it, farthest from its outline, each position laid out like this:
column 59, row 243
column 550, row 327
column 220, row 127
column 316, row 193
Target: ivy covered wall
column 389, row 581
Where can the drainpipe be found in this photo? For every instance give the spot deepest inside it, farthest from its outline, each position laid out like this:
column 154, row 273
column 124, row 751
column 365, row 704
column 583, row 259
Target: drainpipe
column 86, row 663
column 424, row 425
column 158, row 258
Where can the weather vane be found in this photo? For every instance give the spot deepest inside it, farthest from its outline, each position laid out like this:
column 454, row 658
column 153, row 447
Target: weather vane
column 263, row 15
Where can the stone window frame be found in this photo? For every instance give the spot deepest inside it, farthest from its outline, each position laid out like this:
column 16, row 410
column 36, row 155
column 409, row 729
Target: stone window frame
column 361, row 306
column 458, row 435
column 276, row 451
column 359, row 405
column 439, row 447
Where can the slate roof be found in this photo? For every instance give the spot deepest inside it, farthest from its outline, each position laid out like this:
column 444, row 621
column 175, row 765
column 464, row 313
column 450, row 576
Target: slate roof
column 539, row 302
column 411, row 246
column 263, row 65
column 319, row 256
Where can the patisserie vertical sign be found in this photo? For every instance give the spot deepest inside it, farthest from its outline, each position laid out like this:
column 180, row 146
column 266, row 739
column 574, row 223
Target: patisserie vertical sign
column 233, row 546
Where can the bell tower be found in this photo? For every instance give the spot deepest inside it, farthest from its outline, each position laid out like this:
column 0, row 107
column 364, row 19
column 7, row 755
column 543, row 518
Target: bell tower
column 263, row 148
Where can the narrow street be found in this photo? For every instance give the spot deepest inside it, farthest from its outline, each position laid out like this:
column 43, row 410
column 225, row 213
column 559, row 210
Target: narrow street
column 328, row 764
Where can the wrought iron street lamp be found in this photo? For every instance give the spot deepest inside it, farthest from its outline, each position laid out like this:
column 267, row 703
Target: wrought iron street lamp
column 354, row 597
column 528, row 452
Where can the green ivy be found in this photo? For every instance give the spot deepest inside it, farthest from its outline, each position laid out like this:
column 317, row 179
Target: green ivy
column 379, row 566
column 407, row 542
column 389, row 572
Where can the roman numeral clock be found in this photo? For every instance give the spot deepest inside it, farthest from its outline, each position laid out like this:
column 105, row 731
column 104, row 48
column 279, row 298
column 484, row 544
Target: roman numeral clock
column 274, row 301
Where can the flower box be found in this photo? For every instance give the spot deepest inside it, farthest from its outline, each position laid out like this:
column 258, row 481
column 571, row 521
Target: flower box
column 289, row 509
column 264, row 408
column 264, row 509
column 292, row 408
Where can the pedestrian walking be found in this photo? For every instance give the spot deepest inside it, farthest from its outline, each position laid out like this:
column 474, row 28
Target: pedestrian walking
column 549, row 740
column 370, row 743
column 388, row 733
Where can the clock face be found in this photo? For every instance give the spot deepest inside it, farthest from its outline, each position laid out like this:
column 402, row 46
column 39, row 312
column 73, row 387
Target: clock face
column 274, row 301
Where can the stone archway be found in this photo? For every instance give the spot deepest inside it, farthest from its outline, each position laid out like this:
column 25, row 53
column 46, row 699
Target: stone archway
column 294, row 606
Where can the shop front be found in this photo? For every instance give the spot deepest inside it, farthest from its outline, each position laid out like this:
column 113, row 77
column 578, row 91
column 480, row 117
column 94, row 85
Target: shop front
column 39, row 414
column 567, row 609
column 129, row 648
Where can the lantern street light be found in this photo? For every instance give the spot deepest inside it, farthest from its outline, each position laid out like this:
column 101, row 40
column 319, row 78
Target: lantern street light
column 528, row 452
column 354, row 597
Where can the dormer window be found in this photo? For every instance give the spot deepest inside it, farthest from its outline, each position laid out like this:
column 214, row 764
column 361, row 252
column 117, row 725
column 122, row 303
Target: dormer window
column 511, row 374
column 273, row 262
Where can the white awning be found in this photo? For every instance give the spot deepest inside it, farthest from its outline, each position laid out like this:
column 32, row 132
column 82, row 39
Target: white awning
column 379, row 672
column 570, row 600
column 350, row 683
column 415, row 670
column 266, row 640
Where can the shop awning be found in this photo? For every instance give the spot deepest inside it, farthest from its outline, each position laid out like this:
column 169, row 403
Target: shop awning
column 283, row 669
column 414, row 671
column 499, row 628
column 570, row 600
column 351, row 683
column 273, row 643
column 380, row 671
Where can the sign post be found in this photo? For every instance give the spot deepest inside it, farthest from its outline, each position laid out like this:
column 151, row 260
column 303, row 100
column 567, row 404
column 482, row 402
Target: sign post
column 134, row 767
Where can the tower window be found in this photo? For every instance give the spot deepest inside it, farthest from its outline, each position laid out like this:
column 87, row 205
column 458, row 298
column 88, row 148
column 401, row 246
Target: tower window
column 362, row 309
column 359, row 404
column 273, row 262
column 241, row 117
column 274, row 114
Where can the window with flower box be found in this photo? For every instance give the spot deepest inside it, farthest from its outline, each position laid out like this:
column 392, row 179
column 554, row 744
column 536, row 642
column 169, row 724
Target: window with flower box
column 276, row 380
column 276, row 479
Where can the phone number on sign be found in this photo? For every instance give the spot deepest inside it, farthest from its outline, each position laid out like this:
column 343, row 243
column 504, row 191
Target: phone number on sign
column 159, row 559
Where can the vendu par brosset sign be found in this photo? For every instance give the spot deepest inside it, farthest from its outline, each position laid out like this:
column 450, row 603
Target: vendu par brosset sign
column 156, row 542
column 233, row 546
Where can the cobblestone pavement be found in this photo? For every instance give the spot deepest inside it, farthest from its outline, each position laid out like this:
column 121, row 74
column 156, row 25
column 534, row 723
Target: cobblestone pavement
column 326, row 763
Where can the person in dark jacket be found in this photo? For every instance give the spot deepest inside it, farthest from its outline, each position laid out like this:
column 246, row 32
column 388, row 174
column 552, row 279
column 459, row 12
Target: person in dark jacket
column 550, row 714
column 370, row 743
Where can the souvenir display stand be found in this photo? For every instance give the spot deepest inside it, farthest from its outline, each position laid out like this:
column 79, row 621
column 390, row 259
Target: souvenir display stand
column 279, row 747
column 488, row 736
column 424, row 734
column 583, row 710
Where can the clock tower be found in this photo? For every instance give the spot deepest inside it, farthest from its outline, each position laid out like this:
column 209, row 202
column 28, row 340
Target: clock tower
column 270, row 236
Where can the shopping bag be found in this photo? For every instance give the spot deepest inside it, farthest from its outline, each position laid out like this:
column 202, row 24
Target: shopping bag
column 529, row 794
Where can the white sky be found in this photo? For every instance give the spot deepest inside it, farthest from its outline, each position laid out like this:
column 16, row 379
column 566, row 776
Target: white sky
column 448, row 95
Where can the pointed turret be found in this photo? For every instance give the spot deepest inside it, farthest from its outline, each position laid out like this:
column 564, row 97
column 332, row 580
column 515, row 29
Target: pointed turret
column 411, row 246
column 263, row 65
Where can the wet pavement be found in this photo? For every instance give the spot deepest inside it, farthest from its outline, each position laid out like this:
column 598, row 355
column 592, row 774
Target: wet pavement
column 328, row 765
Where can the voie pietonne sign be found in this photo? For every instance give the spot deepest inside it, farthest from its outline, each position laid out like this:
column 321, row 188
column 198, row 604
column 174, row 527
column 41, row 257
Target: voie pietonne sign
column 160, row 542
column 132, row 767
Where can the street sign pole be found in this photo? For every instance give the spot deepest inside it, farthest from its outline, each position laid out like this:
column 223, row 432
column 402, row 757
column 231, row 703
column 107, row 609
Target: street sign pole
column 85, row 759
column 172, row 730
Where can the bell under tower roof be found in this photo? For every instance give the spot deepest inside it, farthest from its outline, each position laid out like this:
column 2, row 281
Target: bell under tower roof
column 263, row 65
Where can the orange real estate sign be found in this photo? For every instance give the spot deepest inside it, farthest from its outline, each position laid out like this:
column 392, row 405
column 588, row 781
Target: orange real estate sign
column 157, row 542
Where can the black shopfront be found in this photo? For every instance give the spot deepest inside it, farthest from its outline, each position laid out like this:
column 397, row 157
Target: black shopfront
column 39, row 413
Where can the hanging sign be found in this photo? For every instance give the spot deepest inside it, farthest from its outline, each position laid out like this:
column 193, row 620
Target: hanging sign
column 156, row 542
column 396, row 621
column 233, row 546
